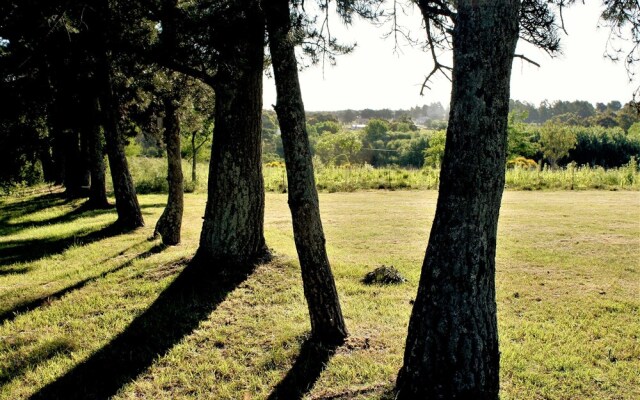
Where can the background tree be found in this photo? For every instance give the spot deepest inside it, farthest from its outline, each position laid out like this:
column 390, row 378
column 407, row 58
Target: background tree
column 521, row 140
column 556, row 141
column 435, row 152
column 338, row 148
column 170, row 222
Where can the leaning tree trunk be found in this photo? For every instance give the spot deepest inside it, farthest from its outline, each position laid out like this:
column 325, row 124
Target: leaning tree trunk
column 97, row 190
column 452, row 344
column 127, row 207
column 327, row 323
column 129, row 213
column 170, row 221
column 232, row 231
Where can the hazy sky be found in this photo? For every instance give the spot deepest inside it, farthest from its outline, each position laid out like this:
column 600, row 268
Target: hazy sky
column 374, row 77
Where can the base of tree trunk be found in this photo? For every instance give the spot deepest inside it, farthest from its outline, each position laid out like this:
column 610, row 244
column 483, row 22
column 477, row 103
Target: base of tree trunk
column 222, row 262
column 97, row 205
column 77, row 193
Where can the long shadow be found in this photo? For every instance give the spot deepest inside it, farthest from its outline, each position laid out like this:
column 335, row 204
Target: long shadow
column 85, row 210
column 31, row 305
column 30, row 205
column 14, row 271
column 189, row 299
column 82, row 211
column 304, row 373
column 13, row 251
column 41, row 354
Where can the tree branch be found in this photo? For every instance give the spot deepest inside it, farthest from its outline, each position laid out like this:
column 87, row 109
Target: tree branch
column 437, row 65
column 526, row 59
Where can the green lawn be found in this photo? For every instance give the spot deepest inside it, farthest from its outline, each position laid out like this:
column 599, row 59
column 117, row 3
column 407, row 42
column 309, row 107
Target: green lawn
column 85, row 312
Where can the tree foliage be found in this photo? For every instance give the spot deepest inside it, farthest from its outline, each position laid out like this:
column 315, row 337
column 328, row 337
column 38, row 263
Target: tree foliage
column 556, row 141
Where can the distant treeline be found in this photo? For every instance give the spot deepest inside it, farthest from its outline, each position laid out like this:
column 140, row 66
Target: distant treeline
column 433, row 111
column 578, row 112
column 607, row 135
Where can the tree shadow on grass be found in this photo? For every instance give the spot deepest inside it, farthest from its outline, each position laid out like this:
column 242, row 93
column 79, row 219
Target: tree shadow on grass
column 30, row 205
column 41, row 354
column 311, row 361
column 187, row 301
column 31, row 305
column 84, row 210
column 27, row 250
column 79, row 212
column 14, row 271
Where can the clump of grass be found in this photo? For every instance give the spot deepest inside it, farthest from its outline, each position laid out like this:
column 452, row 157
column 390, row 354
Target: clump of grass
column 384, row 275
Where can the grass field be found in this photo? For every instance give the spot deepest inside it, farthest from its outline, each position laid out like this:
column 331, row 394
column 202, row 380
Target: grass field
column 85, row 312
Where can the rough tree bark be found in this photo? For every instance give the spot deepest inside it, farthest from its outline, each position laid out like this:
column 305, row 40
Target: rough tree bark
column 127, row 207
column 452, row 344
column 170, row 222
column 97, row 190
column 232, row 231
column 327, row 323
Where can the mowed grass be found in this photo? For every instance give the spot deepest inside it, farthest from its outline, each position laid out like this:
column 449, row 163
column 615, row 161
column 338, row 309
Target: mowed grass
column 77, row 302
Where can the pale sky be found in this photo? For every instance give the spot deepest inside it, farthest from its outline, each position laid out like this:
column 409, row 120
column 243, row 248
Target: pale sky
column 374, row 77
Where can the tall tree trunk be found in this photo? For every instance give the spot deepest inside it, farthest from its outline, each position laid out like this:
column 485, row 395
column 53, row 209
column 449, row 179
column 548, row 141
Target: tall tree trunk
column 48, row 165
column 129, row 213
column 76, row 179
column 73, row 164
column 170, row 221
column 97, row 190
column 327, row 323
column 57, row 148
column 452, row 344
column 194, row 159
column 85, row 161
column 232, row 231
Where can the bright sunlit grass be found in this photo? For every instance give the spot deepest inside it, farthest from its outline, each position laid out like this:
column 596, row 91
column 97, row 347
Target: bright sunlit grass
column 568, row 285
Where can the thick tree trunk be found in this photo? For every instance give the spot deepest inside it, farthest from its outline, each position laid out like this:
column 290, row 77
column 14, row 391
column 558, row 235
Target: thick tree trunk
column 232, row 231
column 327, row 323
column 97, row 190
column 170, row 221
column 452, row 345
